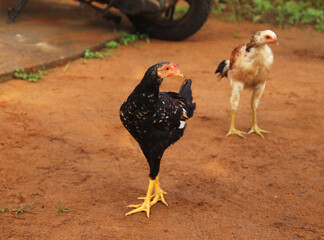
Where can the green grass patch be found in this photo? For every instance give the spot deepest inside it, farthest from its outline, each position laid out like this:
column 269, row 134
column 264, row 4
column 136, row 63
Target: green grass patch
column 111, row 45
column 32, row 77
column 62, row 209
column 183, row 10
column 3, row 210
column 22, row 209
column 127, row 38
column 19, row 210
column 282, row 13
column 107, row 51
column 89, row 54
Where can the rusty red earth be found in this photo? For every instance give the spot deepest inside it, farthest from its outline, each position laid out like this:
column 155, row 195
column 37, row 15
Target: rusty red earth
column 62, row 140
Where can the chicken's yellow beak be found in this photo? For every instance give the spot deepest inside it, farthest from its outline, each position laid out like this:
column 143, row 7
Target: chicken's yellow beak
column 276, row 42
column 179, row 74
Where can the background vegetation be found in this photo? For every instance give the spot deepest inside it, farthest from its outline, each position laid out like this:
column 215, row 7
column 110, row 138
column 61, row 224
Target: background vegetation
column 283, row 13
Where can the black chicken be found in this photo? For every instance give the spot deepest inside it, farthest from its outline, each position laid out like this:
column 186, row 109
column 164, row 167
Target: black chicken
column 156, row 120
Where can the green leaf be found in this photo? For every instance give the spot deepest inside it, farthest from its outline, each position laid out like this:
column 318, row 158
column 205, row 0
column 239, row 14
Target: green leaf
column 111, row 44
column 127, row 38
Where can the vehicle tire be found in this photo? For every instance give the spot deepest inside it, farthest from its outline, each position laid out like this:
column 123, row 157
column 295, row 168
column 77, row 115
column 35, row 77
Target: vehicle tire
column 174, row 29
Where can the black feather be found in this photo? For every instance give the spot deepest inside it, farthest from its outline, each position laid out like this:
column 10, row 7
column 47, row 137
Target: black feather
column 153, row 118
column 220, row 69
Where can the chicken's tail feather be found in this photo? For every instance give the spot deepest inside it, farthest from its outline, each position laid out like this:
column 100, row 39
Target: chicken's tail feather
column 185, row 90
column 222, row 69
column 186, row 93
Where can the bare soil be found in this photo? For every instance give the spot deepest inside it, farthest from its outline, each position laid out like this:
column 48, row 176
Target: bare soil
column 62, row 140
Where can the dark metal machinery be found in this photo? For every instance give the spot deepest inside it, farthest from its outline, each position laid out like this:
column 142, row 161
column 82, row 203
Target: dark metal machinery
column 13, row 12
column 131, row 7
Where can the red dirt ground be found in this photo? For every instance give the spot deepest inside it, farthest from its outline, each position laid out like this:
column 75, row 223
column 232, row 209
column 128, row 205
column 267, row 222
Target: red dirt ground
column 62, row 140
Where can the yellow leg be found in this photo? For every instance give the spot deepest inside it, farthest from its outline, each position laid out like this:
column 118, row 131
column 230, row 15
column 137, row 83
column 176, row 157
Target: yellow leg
column 255, row 128
column 145, row 206
column 233, row 130
column 237, row 87
column 158, row 196
column 257, row 93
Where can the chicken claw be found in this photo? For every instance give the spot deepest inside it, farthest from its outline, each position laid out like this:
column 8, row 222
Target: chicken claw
column 236, row 132
column 146, row 205
column 158, row 194
column 257, row 130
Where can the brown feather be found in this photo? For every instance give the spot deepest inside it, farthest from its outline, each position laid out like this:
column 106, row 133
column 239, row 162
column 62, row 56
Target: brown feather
column 235, row 54
column 250, row 45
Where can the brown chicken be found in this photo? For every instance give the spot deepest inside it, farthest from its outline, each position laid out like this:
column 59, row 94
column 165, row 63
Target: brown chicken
column 248, row 67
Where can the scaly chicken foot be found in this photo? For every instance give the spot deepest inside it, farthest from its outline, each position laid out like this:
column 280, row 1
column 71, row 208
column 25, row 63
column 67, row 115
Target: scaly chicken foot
column 233, row 130
column 143, row 198
column 255, row 129
column 157, row 196
column 146, row 205
column 158, row 193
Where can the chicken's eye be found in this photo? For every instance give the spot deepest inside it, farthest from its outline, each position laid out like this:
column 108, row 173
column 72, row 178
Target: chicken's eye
column 167, row 68
column 268, row 37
